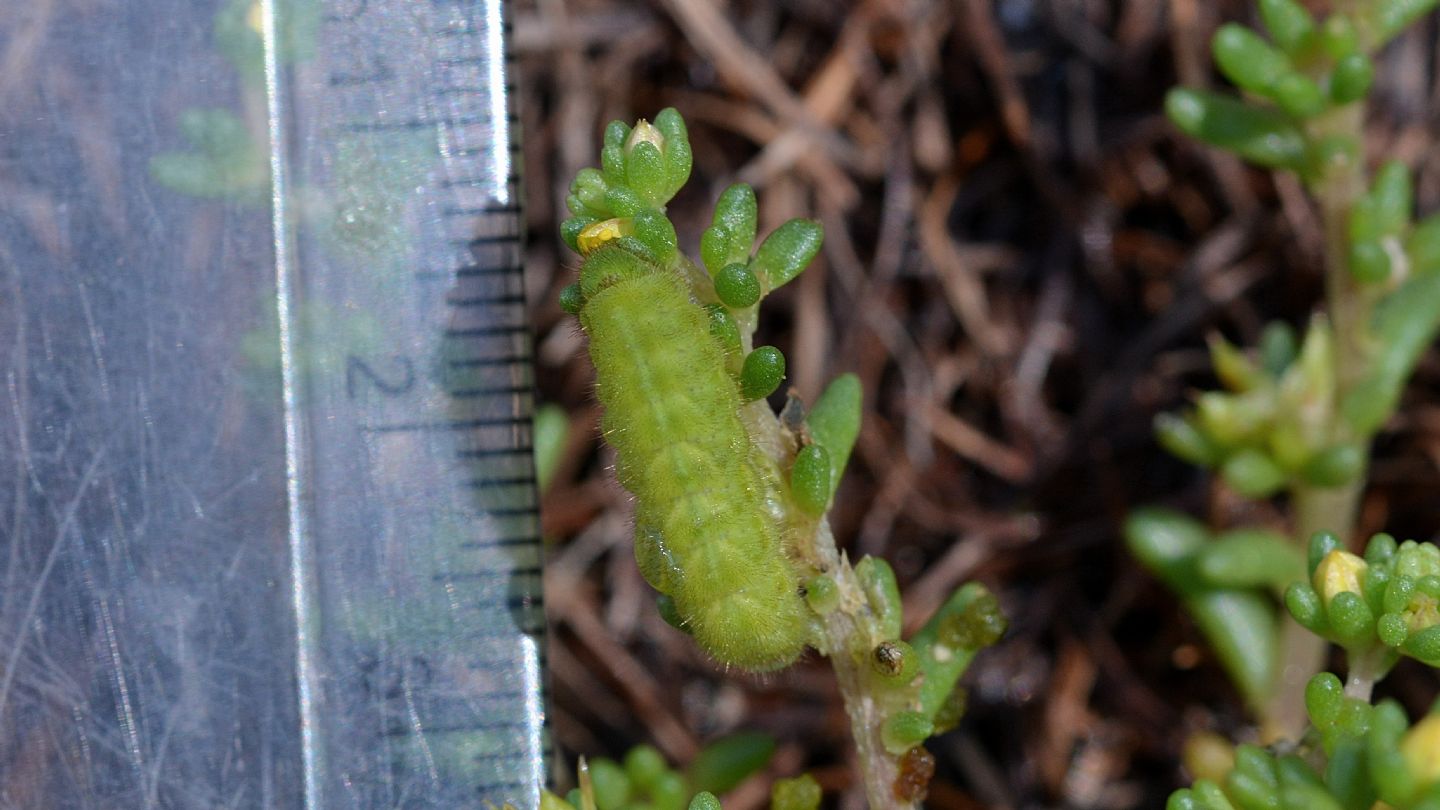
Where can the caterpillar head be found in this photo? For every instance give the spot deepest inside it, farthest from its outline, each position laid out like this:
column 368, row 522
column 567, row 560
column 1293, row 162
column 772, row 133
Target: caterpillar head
column 618, row 249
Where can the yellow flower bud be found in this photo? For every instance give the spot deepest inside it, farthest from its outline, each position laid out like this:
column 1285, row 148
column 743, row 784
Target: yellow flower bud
column 598, row 233
column 1421, row 750
column 1338, row 572
column 646, row 132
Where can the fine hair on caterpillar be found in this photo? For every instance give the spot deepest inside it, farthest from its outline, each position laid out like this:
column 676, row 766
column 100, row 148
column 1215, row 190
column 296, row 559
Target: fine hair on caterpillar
column 672, row 412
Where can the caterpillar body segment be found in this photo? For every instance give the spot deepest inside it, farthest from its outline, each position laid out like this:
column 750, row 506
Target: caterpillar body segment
column 672, row 413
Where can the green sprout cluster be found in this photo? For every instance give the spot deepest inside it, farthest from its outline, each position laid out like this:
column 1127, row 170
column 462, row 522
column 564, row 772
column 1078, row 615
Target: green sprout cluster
column 1269, row 429
column 1358, row 757
column 1295, row 417
column 645, row 781
column 1305, row 71
column 1377, row 607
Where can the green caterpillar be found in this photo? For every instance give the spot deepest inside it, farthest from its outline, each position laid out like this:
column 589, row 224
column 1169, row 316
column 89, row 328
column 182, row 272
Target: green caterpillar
column 672, row 413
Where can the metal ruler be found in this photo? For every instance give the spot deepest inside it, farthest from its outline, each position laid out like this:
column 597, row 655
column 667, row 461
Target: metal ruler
column 268, row 532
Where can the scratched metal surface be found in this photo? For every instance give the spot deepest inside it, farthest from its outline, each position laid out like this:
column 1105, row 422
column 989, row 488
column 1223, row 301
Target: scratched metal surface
column 267, row 520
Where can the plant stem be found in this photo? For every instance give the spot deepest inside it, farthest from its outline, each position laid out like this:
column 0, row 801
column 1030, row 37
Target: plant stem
column 852, row 630
column 1302, row 653
column 1332, row 509
column 849, row 631
column 1365, row 670
column 1349, row 308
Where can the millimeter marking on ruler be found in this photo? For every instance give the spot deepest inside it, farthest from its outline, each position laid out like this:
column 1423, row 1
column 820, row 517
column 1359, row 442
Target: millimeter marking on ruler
column 429, row 441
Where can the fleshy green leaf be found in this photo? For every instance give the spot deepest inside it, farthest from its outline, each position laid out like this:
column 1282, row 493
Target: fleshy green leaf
column 787, row 251
column 1239, row 624
column 1304, row 604
column 968, row 621
column 1369, row 263
column 834, row 423
column 1389, row 17
column 616, row 133
column 1289, row 24
column 1319, row 547
column 1298, row 95
column 704, row 800
column 644, row 765
column 645, row 172
column 1351, row 619
column 1278, row 347
column 678, row 156
column 736, row 211
column 1393, row 196
column 1248, row 60
column 552, row 427
column 1352, row 78
column 1250, row 558
column 726, row 762
column 1324, row 695
column 1405, row 325
column 877, row 579
column 611, row 785
column 810, row 479
column 715, row 248
column 905, row 730
column 1253, row 474
column 1338, row 36
column 822, row 594
column 623, row 201
column 725, row 330
column 1424, row 245
column 1241, row 627
column 737, row 286
column 1236, row 371
column 761, row 373
column 1265, row 137
column 1166, row 541
column 670, row 792
column 654, row 230
column 1182, row 439
column 1334, row 466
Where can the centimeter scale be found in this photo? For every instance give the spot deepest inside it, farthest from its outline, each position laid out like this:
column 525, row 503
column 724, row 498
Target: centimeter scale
column 268, row 533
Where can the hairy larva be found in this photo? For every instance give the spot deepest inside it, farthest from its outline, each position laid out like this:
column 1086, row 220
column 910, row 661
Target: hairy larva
column 672, row 413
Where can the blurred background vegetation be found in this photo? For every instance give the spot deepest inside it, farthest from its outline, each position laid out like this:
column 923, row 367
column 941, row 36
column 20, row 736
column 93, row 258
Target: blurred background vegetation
column 1022, row 261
